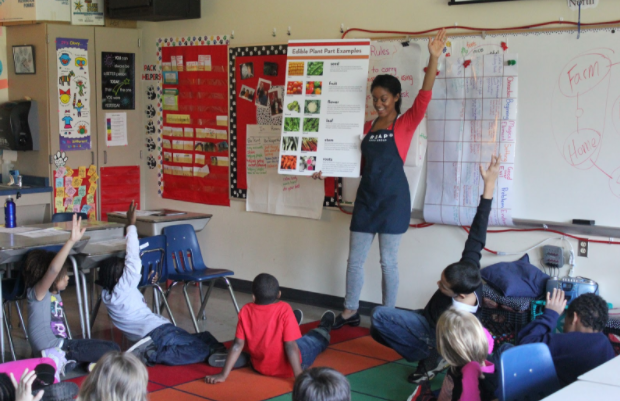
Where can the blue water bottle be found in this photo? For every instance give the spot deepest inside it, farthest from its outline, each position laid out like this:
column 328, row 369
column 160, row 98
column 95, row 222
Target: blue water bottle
column 9, row 213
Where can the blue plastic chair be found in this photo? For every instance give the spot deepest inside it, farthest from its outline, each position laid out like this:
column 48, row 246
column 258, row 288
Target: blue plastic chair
column 68, row 216
column 153, row 256
column 527, row 373
column 185, row 264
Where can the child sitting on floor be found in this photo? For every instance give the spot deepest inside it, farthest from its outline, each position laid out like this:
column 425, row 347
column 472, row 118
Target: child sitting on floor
column 321, row 384
column 119, row 376
column 582, row 346
column 158, row 341
column 269, row 330
column 45, row 274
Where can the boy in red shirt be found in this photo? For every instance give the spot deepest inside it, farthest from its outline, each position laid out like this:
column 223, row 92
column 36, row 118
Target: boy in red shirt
column 269, row 330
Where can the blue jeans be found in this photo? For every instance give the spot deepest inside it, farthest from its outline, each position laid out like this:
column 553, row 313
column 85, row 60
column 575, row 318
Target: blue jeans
column 175, row 346
column 311, row 345
column 87, row 350
column 406, row 332
column 359, row 244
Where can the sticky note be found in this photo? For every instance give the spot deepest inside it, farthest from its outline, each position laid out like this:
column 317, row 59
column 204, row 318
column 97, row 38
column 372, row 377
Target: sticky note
column 59, row 203
column 68, row 181
column 82, row 190
column 85, row 209
column 60, row 172
column 77, row 200
column 68, row 201
column 59, row 182
column 60, row 192
column 92, row 189
column 60, row 209
column 90, row 198
column 77, row 181
column 92, row 170
column 82, row 171
column 69, row 172
column 70, row 191
column 92, row 216
column 93, row 178
column 76, row 208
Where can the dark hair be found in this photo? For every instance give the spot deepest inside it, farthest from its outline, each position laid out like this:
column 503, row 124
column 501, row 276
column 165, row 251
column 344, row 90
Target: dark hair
column 36, row 265
column 110, row 271
column 265, row 288
column 592, row 311
column 7, row 391
column 463, row 277
column 390, row 84
column 321, row 384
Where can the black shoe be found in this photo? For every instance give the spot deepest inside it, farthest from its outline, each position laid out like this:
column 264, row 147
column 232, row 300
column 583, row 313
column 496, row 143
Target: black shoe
column 218, row 359
column 327, row 320
column 59, row 392
column 299, row 316
column 427, row 369
column 352, row 321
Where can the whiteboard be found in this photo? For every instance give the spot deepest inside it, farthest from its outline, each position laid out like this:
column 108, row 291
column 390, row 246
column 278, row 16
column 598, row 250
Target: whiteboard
column 568, row 158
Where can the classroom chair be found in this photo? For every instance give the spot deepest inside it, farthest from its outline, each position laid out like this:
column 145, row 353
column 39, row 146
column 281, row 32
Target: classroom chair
column 185, row 264
column 68, row 216
column 527, row 373
column 13, row 290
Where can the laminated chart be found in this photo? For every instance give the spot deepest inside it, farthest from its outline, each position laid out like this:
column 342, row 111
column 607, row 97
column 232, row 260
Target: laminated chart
column 473, row 115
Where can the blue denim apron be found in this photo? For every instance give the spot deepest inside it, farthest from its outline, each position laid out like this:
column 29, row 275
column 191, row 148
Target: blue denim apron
column 383, row 202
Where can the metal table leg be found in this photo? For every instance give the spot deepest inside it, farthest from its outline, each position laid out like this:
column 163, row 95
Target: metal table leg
column 86, row 309
column 78, row 293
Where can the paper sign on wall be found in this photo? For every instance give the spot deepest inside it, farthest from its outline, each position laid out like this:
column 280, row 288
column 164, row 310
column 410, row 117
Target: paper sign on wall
column 116, row 129
column 88, row 12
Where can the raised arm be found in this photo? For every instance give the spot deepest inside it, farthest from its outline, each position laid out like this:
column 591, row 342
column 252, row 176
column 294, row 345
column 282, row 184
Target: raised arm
column 59, row 260
column 541, row 329
column 478, row 231
column 133, row 265
column 435, row 48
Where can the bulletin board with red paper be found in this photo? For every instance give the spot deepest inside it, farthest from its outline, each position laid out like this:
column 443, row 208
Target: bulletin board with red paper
column 75, row 190
column 119, row 186
column 257, row 70
column 194, row 122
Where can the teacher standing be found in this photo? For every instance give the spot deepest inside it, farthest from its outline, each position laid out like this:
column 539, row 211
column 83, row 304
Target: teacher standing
column 383, row 201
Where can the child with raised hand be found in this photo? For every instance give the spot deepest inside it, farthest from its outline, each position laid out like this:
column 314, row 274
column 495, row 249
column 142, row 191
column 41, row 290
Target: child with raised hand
column 119, row 376
column 269, row 330
column 158, row 340
column 45, row 274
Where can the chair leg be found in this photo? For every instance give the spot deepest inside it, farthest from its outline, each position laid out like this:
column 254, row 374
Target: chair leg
column 93, row 316
column 203, row 315
column 232, row 294
column 69, row 336
column 21, row 318
column 8, row 333
column 165, row 302
column 203, row 305
column 189, row 307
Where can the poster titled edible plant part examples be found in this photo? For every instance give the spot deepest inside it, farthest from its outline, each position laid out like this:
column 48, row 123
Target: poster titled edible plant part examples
column 324, row 107
column 73, row 93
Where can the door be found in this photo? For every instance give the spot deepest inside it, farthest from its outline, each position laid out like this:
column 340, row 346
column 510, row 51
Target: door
column 119, row 185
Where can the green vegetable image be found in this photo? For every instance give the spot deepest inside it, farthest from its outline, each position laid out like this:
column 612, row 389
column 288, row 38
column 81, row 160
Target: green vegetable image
column 294, row 106
column 315, row 68
column 291, row 124
column 311, row 125
column 312, row 107
column 289, row 143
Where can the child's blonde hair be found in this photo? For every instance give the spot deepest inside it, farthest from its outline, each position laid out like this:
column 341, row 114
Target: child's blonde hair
column 461, row 338
column 118, row 376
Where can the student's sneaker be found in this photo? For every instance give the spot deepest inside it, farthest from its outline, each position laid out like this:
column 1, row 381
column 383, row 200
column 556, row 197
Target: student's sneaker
column 427, row 369
column 139, row 348
column 327, row 320
column 91, row 366
column 421, row 392
column 354, row 321
column 299, row 316
column 59, row 357
column 218, row 359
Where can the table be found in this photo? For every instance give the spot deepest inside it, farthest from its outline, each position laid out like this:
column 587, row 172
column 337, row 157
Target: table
column 583, row 390
column 151, row 225
column 607, row 374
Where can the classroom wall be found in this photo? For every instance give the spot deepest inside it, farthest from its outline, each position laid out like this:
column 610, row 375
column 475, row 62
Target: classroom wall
column 311, row 255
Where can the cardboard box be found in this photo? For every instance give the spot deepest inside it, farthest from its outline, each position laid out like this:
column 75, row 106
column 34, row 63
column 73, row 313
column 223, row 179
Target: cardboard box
column 35, row 10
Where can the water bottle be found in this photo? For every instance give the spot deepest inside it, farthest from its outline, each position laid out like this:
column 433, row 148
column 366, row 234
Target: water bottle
column 9, row 213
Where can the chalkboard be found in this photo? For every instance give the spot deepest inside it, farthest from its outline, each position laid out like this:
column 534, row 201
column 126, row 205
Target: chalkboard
column 118, row 81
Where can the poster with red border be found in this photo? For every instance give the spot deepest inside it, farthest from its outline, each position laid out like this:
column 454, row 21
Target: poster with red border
column 75, row 190
column 194, row 119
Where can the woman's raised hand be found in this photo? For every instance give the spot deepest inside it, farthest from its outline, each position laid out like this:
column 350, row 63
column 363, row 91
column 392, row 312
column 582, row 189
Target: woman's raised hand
column 436, row 44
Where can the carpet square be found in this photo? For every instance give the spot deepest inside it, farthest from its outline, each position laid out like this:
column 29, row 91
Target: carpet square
column 387, row 381
column 345, row 363
column 172, row 394
column 171, row 376
column 368, row 347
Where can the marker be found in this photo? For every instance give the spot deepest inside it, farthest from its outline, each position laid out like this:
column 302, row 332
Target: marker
column 583, row 222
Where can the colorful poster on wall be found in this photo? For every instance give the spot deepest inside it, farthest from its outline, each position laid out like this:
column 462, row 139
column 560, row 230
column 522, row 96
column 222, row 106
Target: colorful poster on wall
column 194, row 121
column 116, row 129
column 270, row 192
column 118, row 81
column 73, row 94
column 324, row 107
column 75, row 190
column 87, row 12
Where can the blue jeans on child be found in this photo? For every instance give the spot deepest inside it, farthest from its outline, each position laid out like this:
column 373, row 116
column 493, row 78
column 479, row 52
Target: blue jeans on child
column 175, row 346
column 87, row 350
column 406, row 332
column 311, row 345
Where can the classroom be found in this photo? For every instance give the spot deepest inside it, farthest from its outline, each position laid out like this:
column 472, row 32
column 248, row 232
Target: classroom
column 240, row 152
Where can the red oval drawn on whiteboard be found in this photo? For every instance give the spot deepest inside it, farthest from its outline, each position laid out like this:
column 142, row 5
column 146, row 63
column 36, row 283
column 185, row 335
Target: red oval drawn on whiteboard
column 581, row 145
column 614, row 182
column 583, row 73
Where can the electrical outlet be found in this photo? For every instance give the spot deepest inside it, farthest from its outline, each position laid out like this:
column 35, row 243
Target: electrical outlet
column 583, row 248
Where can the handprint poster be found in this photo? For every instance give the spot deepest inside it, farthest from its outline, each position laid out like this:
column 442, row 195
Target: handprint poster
column 75, row 190
column 73, row 94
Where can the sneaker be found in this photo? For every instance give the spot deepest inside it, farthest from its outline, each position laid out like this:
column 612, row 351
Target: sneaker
column 427, row 369
column 218, row 359
column 63, row 391
column 352, row 321
column 299, row 316
column 59, row 357
column 327, row 320
column 139, row 348
column 91, row 366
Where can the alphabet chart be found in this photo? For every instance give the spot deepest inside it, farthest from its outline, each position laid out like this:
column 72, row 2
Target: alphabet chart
column 473, row 115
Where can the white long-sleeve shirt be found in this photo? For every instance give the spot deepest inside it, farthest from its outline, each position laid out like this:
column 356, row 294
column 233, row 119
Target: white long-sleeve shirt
column 126, row 305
